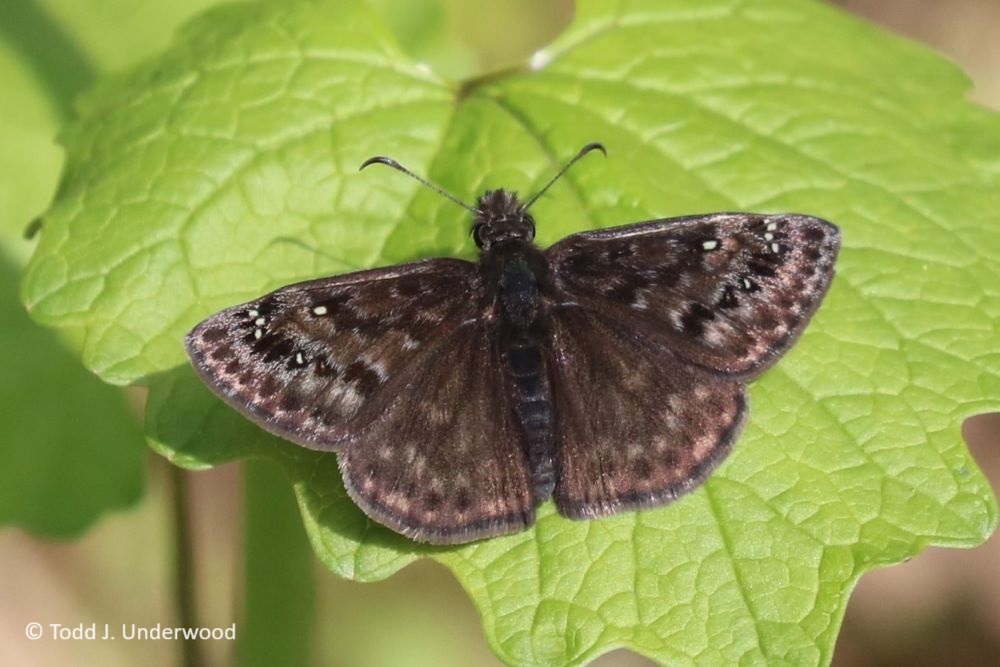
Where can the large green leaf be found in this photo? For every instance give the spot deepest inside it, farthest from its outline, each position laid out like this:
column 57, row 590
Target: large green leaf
column 228, row 167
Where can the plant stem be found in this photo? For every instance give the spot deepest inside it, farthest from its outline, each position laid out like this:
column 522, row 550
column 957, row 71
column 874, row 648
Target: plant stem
column 62, row 67
column 279, row 596
column 184, row 566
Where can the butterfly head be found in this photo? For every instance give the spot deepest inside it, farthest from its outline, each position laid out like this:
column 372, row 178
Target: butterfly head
column 501, row 217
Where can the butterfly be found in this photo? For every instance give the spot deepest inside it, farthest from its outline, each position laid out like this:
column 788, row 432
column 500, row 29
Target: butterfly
column 607, row 372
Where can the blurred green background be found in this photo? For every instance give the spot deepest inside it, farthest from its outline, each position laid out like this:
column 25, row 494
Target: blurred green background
column 941, row 608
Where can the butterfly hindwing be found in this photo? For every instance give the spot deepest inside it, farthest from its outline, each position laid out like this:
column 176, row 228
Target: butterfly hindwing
column 637, row 427
column 443, row 462
column 729, row 292
column 310, row 362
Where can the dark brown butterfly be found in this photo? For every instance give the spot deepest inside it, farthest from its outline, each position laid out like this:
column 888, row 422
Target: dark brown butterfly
column 607, row 372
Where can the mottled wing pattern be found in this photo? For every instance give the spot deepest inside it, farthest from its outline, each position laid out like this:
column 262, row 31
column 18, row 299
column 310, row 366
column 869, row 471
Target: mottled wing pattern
column 307, row 360
column 443, row 463
column 729, row 292
column 636, row 427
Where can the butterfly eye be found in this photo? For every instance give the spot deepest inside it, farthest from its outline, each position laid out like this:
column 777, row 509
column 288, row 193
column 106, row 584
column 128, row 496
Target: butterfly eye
column 476, row 235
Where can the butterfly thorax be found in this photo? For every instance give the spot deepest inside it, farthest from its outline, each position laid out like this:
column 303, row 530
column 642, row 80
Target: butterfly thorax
column 514, row 270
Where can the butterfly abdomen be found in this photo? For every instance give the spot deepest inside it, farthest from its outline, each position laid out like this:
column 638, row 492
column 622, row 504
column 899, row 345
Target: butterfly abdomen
column 533, row 406
column 519, row 267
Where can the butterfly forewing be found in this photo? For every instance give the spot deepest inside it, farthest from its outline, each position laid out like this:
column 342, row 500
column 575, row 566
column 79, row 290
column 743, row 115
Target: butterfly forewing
column 310, row 362
column 637, row 427
column 729, row 292
column 443, row 463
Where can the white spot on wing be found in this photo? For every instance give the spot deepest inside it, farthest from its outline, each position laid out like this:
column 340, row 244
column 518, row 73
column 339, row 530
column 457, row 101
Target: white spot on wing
column 347, row 396
column 376, row 367
column 393, row 499
column 675, row 317
column 257, row 333
column 675, row 404
column 710, row 245
column 714, row 337
column 320, row 310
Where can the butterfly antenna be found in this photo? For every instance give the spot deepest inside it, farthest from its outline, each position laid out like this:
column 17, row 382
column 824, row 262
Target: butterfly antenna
column 583, row 151
column 389, row 162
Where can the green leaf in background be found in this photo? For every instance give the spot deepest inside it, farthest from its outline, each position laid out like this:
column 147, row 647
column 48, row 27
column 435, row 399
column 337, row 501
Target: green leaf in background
column 70, row 446
column 227, row 168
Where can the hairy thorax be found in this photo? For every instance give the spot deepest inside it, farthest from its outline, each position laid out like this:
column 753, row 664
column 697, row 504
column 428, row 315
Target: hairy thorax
column 519, row 274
